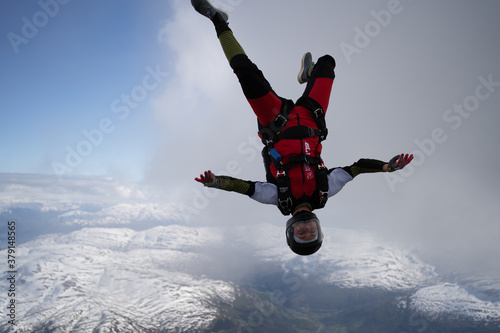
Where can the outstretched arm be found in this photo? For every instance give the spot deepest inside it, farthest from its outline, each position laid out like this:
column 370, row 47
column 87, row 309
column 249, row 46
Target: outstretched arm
column 227, row 183
column 365, row 165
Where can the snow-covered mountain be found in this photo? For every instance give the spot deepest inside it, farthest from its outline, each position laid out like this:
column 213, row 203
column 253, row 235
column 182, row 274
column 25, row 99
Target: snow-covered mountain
column 456, row 301
column 348, row 258
column 355, row 259
column 100, row 279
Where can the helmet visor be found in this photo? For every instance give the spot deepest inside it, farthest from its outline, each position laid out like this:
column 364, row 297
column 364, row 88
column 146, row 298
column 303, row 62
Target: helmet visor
column 305, row 232
column 303, row 228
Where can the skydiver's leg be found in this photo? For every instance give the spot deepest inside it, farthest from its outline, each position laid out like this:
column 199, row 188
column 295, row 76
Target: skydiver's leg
column 265, row 103
column 320, row 82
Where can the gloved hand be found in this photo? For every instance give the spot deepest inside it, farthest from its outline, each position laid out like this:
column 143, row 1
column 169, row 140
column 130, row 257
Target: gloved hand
column 398, row 162
column 208, row 179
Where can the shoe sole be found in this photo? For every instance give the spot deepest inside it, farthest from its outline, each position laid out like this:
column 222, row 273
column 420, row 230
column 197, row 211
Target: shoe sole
column 205, row 8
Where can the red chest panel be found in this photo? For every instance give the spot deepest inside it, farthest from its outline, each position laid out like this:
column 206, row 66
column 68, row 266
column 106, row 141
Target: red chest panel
column 302, row 175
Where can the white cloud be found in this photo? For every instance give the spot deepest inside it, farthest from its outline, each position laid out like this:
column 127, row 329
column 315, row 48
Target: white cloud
column 201, row 74
column 30, row 188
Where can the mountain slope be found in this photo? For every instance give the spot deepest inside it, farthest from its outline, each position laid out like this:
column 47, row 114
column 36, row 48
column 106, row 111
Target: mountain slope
column 97, row 279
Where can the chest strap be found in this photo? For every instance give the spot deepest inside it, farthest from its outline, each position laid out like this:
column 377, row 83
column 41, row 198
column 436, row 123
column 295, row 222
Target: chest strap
column 286, row 201
column 273, row 132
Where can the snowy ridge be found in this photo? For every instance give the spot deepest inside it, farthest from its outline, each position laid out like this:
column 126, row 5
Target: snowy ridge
column 456, row 302
column 98, row 279
column 356, row 259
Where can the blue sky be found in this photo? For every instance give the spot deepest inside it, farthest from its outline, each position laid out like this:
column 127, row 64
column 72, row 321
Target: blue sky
column 401, row 90
column 63, row 78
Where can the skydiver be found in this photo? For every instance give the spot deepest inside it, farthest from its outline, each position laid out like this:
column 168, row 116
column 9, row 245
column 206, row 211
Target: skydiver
column 297, row 181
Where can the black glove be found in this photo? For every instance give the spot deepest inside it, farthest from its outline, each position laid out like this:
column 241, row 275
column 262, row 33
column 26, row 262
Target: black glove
column 208, row 179
column 398, row 162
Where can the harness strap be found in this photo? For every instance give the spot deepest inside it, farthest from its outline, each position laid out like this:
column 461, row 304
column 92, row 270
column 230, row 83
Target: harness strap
column 322, row 184
column 285, row 202
column 268, row 133
column 273, row 132
column 317, row 112
column 297, row 133
column 292, row 160
column 304, row 159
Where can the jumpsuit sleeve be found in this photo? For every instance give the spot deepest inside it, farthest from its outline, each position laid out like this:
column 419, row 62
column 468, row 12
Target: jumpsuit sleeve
column 364, row 165
column 337, row 178
column 231, row 184
column 266, row 193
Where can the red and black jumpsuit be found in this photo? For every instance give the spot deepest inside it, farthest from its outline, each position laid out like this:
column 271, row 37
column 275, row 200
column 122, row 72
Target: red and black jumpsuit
column 267, row 104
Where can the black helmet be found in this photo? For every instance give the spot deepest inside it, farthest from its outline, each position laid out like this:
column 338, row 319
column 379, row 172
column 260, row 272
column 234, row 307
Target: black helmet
column 303, row 233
